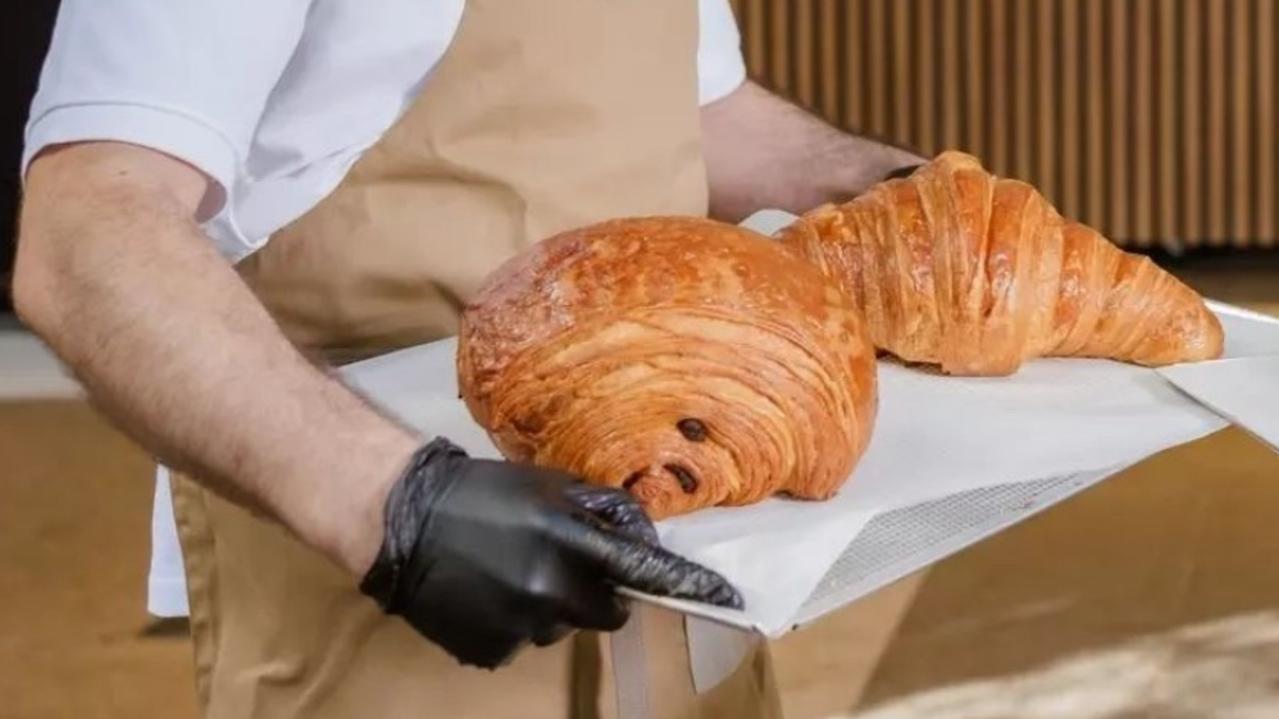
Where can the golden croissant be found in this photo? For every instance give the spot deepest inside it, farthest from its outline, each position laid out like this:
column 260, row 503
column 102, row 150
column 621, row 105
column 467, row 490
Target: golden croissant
column 956, row 267
column 690, row 362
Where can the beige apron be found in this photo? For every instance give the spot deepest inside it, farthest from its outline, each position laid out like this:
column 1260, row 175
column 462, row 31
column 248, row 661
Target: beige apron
column 543, row 115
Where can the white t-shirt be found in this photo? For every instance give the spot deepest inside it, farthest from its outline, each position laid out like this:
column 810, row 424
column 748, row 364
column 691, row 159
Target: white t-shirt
column 274, row 100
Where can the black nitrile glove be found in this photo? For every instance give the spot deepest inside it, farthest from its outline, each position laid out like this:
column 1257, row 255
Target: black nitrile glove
column 482, row 557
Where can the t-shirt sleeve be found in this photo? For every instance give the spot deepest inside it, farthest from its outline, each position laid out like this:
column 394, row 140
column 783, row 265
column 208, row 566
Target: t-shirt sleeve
column 186, row 77
column 720, row 66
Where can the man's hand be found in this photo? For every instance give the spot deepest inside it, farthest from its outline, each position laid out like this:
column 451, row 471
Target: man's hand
column 483, row 557
column 762, row 151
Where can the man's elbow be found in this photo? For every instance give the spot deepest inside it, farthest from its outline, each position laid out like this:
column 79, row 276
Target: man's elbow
column 33, row 283
column 49, row 203
column 80, row 211
column 53, row 240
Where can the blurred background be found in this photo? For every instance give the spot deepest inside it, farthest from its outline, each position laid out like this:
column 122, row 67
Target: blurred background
column 1151, row 120
column 1155, row 594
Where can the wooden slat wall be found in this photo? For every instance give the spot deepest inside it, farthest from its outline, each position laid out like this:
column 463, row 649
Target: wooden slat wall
column 1153, row 120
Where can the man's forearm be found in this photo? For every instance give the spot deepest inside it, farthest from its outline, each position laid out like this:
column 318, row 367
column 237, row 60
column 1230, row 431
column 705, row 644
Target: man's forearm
column 762, row 151
column 114, row 274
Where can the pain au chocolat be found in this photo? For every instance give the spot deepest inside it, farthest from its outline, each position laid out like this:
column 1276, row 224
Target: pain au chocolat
column 690, row 362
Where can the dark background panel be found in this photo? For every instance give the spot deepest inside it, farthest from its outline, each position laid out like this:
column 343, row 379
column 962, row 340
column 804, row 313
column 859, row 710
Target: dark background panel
column 25, row 27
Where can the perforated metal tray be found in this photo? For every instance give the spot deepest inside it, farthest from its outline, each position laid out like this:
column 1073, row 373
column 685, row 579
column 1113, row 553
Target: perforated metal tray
column 902, row 541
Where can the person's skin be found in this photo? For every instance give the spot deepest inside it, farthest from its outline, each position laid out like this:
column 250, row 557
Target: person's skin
column 113, row 272
column 762, row 151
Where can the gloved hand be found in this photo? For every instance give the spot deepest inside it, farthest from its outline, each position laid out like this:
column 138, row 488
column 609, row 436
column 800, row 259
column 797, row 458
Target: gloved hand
column 482, row 557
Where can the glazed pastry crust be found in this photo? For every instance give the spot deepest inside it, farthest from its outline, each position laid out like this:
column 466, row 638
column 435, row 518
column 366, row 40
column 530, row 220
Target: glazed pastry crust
column 692, row 362
column 957, row 267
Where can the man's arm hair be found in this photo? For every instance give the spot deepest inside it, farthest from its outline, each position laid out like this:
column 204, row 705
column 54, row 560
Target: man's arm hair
column 762, row 151
column 113, row 273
